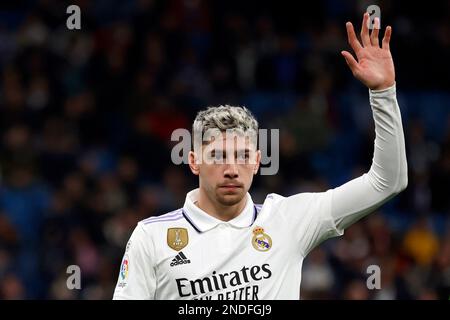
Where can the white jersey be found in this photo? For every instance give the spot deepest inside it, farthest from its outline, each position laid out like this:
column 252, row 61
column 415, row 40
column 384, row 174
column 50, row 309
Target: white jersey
column 188, row 254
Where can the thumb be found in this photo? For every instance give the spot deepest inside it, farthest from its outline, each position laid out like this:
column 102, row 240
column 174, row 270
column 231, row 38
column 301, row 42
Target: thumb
column 351, row 62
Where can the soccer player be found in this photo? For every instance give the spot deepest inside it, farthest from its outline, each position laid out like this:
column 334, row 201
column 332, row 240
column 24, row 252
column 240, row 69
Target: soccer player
column 220, row 245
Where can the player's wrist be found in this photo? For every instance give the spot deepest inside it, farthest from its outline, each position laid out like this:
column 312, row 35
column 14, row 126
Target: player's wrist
column 383, row 88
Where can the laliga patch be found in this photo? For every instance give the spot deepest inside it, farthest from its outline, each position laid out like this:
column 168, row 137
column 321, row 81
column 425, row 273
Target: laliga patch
column 124, row 270
column 177, row 238
column 261, row 241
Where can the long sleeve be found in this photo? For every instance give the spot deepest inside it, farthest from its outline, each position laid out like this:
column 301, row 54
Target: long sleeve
column 136, row 277
column 388, row 173
column 313, row 217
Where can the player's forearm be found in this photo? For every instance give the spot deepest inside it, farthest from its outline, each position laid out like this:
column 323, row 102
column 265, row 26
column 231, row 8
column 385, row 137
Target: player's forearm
column 388, row 173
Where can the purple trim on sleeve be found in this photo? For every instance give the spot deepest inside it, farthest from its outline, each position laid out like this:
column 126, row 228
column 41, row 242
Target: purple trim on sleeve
column 164, row 216
column 174, row 218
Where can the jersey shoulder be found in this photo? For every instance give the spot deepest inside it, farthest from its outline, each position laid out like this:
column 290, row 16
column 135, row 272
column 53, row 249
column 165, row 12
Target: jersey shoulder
column 299, row 203
column 273, row 198
column 173, row 218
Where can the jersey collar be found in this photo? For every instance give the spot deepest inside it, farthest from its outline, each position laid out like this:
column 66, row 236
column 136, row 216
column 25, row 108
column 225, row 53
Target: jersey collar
column 202, row 221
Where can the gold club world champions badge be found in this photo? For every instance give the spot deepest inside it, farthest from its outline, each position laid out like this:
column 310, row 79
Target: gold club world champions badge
column 261, row 241
column 177, row 238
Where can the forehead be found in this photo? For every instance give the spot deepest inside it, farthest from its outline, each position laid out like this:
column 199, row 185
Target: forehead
column 230, row 140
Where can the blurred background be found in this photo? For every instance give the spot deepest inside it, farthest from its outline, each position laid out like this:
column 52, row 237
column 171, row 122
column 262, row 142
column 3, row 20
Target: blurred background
column 86, row 117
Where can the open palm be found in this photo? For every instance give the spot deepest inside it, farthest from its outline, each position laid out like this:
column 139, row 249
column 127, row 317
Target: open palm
column 374, row 65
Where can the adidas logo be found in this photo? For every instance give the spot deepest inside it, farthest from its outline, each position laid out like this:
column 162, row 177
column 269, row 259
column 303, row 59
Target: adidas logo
column 179, row 259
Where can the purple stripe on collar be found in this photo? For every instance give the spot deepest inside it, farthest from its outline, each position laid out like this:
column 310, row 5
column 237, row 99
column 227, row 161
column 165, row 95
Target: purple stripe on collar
column 190, row 221
column 255, row 214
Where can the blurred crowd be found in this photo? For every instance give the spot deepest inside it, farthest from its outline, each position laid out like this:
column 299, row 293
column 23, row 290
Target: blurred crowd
column 86, row 118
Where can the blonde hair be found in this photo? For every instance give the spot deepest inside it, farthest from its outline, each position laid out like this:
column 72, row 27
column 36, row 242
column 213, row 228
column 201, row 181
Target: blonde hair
column 223, row 118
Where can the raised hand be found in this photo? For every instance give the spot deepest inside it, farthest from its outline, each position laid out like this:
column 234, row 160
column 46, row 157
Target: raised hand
column 374, row 65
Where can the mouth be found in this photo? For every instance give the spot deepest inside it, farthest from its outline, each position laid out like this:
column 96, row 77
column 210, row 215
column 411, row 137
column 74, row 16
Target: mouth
column 230, row 187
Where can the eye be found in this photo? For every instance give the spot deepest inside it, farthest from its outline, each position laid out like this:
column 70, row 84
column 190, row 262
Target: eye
column 243, row 156
column 219, row 156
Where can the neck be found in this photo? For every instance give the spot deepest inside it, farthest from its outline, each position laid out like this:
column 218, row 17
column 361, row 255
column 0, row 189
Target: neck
column 218, row 210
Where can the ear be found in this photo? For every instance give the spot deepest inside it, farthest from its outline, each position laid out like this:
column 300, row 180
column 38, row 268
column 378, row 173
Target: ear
column 258, row 162
column 193, row 163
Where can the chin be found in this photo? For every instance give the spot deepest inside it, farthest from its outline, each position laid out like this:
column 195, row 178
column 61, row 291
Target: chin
column 230, row 199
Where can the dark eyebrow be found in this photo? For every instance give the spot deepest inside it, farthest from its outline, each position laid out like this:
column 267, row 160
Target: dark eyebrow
column 224, row 153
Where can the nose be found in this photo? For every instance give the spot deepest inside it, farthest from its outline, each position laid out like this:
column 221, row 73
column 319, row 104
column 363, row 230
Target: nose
column 231, row 171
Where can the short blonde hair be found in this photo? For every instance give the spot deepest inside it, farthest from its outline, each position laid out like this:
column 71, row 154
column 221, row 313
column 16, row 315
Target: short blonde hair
column 223, row 118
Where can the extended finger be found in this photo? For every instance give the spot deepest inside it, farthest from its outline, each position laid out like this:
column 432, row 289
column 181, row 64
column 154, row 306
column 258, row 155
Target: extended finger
column 365, row 31
column 387, row 37
column 352, row 39
column 375, row 31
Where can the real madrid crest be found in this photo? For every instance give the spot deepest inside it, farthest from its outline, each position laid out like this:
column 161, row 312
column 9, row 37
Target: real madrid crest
column 177, row 238
column 261, row 241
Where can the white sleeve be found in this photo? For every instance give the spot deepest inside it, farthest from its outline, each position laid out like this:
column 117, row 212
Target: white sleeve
column 388, row 174
column 314, row 217
column 136, row 276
